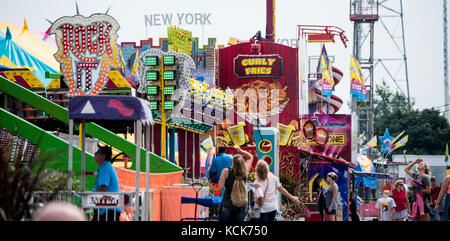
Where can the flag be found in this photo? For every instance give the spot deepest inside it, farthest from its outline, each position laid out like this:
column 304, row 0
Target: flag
column 363, row 95
column 399, row 144
column 361, row 136
column 327, row 79
column 446, row 153
column 371, row 143
column 355, row 83
column 122, row 62
column 135, row 64
column 385, row 141
column 395, row 139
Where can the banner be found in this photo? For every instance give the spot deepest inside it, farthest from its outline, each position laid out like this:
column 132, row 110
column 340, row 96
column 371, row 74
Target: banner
column 327, row 79
column 446, row 153
column 355, row 83
column 179, row 40
column 339, row 142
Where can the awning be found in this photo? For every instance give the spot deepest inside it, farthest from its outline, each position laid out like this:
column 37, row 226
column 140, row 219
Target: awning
column 323, row 157
column 371, row 174
column 126, row 108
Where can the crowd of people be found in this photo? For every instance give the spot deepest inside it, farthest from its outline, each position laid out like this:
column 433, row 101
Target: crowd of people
column 230, row 173
column 423, row 201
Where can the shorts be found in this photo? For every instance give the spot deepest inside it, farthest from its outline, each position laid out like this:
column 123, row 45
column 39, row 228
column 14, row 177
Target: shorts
column 333, row 211
column 401, row 214
column 434, row 215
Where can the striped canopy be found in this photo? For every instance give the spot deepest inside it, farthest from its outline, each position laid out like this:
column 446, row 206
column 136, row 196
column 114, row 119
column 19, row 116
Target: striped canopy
column 14, row 56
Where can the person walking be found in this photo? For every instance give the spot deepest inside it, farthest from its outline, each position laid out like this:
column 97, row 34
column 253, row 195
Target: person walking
column 266, row 186
column 445, row 190
column 421, row 189
column 234, row 201
column 220, row 162
column 385, row 206
column 331, row 196
column 321, row 195
column 106, row 181
column 353, row 207
column 400, row 197
column 434, row 213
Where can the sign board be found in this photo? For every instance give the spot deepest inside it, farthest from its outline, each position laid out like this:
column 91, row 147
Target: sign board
column 339, row 128
column 106, row 200
column 87, row 50
column 258, row 66
column 267, row 147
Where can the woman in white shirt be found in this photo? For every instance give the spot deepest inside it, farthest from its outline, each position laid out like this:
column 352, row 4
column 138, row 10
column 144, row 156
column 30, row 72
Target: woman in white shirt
column 266, row 187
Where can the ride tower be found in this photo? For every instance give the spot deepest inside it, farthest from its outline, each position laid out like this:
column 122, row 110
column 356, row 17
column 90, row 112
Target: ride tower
column 364, row 14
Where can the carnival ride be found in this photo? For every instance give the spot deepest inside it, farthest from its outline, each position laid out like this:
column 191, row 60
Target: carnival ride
column 323, row 34
column 158, row 164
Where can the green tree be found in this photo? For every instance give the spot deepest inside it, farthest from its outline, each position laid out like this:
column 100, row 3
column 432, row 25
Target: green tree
column 428, row 129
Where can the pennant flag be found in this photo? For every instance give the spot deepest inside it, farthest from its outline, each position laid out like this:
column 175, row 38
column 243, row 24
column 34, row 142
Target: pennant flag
column 446, row 153
column 396, row 139
column 361, row 136
column 135, row 64
column 372, row 143
column 122, row 62
column 399, row 144
column 385, row 141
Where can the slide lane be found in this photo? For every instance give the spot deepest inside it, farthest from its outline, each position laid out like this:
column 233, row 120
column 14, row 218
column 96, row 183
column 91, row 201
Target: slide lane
column 157, row 163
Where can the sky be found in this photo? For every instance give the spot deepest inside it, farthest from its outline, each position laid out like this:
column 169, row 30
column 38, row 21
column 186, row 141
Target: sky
column 423, row 21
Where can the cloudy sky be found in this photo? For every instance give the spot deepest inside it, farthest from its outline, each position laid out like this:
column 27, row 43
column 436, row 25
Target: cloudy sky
column 242, row 19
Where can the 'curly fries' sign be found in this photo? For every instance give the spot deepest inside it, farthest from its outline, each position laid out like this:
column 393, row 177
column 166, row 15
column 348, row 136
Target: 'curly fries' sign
column 87, row 49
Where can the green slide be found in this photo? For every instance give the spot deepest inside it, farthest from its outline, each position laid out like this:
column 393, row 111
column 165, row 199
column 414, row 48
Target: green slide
column 52, row 146
column 157, row 163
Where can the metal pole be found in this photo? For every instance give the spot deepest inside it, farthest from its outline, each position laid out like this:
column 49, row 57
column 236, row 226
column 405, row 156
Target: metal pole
column 138, row 134
column 70, row 168
column 147, row 184
column 83, row 156
column 153, row 143
column 185, row 153
column 404, row 49
column 193, row 156
column 163, row 113
column 446, row 97
column 147, row 170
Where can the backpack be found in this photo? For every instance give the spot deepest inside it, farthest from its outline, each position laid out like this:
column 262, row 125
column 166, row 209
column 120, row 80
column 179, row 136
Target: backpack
column 239, row 192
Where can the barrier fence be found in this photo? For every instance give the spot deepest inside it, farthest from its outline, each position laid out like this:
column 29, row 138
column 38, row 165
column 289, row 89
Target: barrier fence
column 96, row 202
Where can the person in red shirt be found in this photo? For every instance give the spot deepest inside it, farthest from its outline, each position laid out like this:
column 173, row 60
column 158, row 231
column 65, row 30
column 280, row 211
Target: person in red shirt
column 434, row 214
column 401, row 200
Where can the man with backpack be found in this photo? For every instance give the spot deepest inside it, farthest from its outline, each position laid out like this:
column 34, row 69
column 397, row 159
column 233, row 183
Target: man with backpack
column 234, row 201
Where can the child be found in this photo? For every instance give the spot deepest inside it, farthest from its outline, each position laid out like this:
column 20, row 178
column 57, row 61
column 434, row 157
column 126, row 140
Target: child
column 385, row 206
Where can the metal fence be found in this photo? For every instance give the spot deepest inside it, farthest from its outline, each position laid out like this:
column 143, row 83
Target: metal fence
column 100, row 202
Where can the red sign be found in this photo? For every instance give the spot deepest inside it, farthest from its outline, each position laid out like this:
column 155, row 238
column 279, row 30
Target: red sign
column 258, row 66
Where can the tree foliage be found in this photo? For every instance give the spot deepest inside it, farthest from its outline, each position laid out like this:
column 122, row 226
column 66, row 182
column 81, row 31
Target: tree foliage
column 428, row 129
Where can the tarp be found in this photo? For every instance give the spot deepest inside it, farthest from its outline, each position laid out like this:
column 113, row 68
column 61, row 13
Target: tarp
column 12, row 55
column 365, row 165
column 110, row 108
